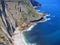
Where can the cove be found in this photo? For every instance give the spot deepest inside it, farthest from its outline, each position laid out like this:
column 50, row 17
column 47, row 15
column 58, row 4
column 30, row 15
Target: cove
column 48, row 32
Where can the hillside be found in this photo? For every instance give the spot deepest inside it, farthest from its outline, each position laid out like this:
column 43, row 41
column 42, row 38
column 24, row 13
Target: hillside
column 16, row 13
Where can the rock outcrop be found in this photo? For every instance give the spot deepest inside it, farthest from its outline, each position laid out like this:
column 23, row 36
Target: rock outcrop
column 35, row 3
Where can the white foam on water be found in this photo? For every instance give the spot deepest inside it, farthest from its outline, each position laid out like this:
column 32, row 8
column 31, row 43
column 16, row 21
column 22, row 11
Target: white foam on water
column 18, row 37
column 48, row 18
column 25, row 41
column 38, row 10
column 32, row 44
column 48, row 15
column 30, row 28
column 35, row 6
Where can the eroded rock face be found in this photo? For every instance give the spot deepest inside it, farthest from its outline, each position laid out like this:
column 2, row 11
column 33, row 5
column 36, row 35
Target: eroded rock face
column 22, row 10
column 16, row 13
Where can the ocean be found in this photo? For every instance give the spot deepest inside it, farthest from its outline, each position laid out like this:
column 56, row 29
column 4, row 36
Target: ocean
column 48, row 32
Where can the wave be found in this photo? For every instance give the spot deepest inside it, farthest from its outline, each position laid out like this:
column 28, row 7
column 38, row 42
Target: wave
column 30, row 28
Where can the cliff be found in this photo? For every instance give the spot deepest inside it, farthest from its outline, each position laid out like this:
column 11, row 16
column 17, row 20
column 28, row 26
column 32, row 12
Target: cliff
column 13, row 14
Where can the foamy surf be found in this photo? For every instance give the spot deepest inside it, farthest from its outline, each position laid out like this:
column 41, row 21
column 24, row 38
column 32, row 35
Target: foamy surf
column 30, row 28
column 25, row 41
column 38, row 10
column 48, row 15
column 18, row 37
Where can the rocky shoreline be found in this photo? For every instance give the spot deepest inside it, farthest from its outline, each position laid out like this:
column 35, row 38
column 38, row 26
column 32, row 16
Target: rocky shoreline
column 20, row 15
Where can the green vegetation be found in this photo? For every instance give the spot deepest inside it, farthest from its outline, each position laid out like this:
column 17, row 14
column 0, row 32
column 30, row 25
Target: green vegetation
column 23, row 19
column 32, row 13
column 31, row 10
column 26, row 14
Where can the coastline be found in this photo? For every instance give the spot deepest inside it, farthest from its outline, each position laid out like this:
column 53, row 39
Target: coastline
column 21, row 35
column 22, row 40
column 30, row 28
column 18, row 36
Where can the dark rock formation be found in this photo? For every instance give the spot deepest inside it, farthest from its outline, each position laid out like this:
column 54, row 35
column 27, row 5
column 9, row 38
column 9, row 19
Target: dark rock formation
column 35, row 3
column 2, row 44
column 37, row 20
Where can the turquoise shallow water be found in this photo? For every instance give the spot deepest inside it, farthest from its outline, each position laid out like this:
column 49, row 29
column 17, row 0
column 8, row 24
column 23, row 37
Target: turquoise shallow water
column 47, row 33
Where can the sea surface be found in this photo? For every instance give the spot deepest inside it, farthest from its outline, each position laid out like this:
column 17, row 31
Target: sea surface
column 48, row 32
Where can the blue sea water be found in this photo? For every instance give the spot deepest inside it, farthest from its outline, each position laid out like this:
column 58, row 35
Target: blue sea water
column 48, row 32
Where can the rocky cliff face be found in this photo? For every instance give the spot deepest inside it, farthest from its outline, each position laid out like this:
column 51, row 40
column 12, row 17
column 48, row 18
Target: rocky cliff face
column 15, row 13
